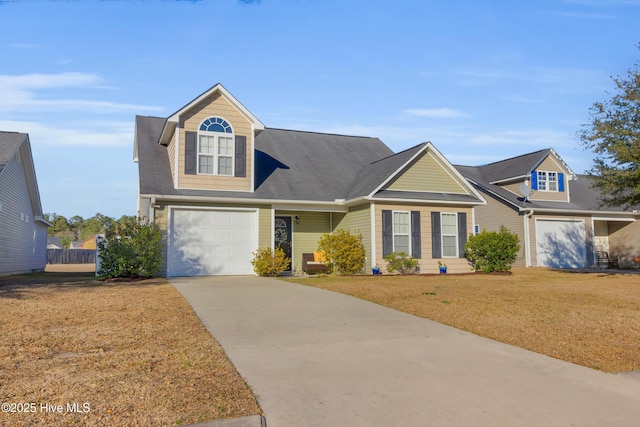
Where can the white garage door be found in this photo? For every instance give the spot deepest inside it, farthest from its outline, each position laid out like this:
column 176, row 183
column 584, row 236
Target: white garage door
column 210, row 242
column 561, row 244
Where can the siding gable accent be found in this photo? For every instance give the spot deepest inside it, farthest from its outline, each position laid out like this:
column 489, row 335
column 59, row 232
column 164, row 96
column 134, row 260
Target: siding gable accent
column 436, row 236
column 240, row 156
column 416, row 245
column 462, row 233
column 190, row 153
column 387, row 232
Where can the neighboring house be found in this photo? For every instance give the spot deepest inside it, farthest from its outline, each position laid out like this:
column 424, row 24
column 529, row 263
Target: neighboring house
column 54, row 242
column 220, row 185
column 89, row 243
column 554, row 211
column 23, row 230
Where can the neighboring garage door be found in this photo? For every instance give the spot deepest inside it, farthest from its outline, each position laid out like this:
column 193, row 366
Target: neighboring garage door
column 210, row 242
column 561, row 244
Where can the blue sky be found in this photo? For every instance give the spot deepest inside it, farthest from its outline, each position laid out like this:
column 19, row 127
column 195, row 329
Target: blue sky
column 482, row 80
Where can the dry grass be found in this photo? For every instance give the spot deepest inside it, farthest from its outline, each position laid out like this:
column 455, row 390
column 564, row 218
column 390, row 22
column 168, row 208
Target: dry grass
column 135, row 352
column 591, row 319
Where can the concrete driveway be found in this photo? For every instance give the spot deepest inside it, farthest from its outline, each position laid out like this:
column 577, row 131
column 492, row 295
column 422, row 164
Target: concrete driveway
column 318, row 358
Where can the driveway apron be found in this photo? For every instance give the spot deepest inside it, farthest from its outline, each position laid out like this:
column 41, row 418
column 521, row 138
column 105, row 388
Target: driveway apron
column 319, row 358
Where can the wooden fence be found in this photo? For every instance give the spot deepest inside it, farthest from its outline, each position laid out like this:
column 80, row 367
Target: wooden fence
column 71, row 256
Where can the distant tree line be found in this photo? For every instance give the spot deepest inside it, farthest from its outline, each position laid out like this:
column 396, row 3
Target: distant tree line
column 77, row 228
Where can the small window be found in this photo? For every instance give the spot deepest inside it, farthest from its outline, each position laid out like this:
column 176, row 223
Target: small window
column 402, row 232
column 215, row 147
column 547, row 181
column 553, row 181
column 449, row 227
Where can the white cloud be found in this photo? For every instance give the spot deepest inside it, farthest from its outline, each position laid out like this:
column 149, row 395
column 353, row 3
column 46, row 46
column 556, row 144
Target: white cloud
column 20, row 93
column 115, row 134
column 437, row 113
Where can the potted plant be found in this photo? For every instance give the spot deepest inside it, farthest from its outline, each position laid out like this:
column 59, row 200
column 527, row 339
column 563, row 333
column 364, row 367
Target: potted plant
column 375, row 269
column 442, row 267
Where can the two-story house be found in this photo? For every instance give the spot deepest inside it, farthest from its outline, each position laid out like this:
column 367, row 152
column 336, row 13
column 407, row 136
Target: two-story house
column 220, row 184
column 555, row 212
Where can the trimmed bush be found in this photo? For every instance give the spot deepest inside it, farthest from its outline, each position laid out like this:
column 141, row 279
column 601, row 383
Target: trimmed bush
column 345, row 251
column 267, row 262
column 132, row 248
column 401, row 262
column 493, row 250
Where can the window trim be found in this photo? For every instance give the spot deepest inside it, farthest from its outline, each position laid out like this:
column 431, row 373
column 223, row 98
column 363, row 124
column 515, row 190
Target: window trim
column 214, row 154
column 442, row 235
column 546, row 182
column 394, row 233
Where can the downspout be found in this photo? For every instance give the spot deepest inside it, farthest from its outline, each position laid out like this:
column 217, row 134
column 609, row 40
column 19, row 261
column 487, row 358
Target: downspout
column 527, row 239
column 152, row 210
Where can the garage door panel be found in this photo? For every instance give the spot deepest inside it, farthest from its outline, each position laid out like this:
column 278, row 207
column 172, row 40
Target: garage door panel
column 210, row 242
column 561, row 243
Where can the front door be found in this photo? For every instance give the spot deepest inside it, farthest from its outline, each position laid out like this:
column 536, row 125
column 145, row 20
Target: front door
column 283, row 234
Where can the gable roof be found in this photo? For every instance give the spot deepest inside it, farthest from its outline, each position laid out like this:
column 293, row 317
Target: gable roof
column 488, row 177
column 296, row 166
column 10, row 144
column 290, row 165
column 174, row 119
column 376, row 175
column 519, row 166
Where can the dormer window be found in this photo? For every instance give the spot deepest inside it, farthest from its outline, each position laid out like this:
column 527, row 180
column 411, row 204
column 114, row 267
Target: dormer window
column 547, row 181
column 215, row 147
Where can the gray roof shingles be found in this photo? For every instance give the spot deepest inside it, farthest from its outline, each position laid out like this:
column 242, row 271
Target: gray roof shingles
column 10, row 142
column 583, row 196
column 290, row 165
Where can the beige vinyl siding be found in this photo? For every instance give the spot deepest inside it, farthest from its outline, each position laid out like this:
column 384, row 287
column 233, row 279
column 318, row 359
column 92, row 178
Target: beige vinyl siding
column 514, row 187
column 161, row 219
column 171, row 151
column 265, row 224
column 216, row 105
column 624, row 242
column 551, row 165
column 23, row 242
column 588, row 230
column 357, row 220
column 427, row 263
column 426, row 174
column 306, row 234
column 495, row 214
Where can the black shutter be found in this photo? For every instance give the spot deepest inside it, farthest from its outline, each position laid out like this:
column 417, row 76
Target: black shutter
column 436, row 236
column 240, row 156
column 462, row 233
column 387, row 233
column 190, row 153
column 416, row 246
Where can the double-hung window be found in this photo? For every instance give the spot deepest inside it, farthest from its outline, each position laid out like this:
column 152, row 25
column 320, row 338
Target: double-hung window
column 402, row 232
column 449, row 230
column 215, row 147
column 547, row 181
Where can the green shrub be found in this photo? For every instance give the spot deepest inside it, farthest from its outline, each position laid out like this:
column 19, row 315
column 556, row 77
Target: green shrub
column 267, row 262
column 132, row 248
column 401, row 262
column 493, row 250
column 345, row 251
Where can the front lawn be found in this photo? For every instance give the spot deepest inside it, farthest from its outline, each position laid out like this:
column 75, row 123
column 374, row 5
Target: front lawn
column 78, row 351
column 591, row 319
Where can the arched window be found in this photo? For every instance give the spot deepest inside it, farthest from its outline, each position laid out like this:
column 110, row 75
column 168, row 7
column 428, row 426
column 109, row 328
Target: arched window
column 215, row 147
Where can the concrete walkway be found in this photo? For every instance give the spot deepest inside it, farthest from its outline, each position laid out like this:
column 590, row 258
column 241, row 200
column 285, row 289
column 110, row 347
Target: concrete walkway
column 318, row 358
